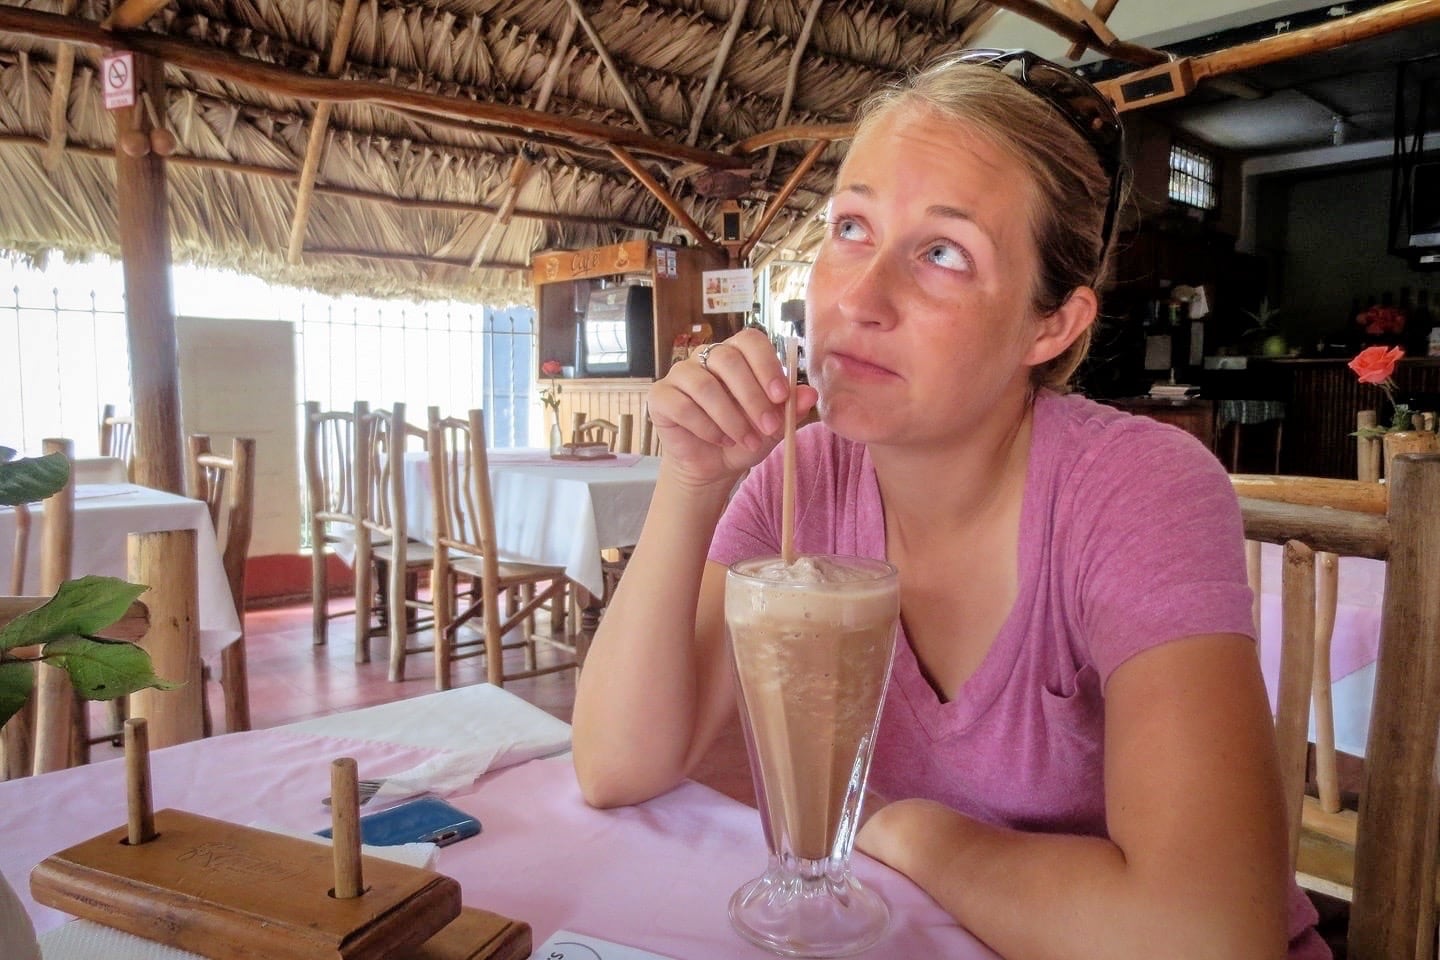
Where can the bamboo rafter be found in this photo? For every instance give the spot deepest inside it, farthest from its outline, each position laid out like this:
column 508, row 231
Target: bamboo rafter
column 339, row 50
column 1103, row 9
column 1325, row 36
column 717, row 69
column 781, row 195
column 680, row 214
column 1062, row 25
column 616, row 76
column 217, row 62
column 349, row 193
column 792, row 81
column 60, row 96
column 132, row 13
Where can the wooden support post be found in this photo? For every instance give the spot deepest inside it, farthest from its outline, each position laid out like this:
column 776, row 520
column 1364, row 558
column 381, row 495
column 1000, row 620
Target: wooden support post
column 140, row 190
column 54, row 695
column 1403, row 735
column 166, row 562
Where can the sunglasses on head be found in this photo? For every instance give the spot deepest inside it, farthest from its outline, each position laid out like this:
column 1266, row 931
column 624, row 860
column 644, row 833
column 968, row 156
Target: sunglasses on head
column 1074, row 98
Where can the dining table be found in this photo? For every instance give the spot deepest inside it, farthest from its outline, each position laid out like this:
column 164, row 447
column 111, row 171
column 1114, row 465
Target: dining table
column 1354, row 645
column 105, row 516
column 656, row 876
column 551, row 511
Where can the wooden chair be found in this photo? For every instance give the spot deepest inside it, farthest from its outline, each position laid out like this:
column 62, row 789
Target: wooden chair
column 598, row 431
column 464, row 522
column 649, row 440
column 399, row 559
column 335, row 475
column 117, row 438
column 227, row 486
column 43, row 736
column 1389, row 869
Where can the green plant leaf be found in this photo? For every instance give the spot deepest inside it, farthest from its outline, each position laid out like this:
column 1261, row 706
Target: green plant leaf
column 83, row 607
column 17, row 680
column 104, row 669
column 32, row 478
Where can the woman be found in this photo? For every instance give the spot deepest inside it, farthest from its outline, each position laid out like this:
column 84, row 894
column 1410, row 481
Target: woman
column 1076, row 749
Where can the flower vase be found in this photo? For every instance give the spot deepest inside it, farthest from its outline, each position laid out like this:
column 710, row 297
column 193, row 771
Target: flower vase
column 557, row 440
column 1407, row 441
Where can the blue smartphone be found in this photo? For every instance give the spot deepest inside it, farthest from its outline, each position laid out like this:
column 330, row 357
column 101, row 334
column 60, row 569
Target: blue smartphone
column 421, row 820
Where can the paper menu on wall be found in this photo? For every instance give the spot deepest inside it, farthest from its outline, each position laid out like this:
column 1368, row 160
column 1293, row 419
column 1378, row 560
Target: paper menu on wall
column 566, row 945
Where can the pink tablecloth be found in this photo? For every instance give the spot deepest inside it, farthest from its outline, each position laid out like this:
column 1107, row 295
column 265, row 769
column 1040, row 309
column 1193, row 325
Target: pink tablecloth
column 656, row 876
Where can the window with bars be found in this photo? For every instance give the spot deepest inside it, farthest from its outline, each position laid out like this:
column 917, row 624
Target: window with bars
column 1192, row 177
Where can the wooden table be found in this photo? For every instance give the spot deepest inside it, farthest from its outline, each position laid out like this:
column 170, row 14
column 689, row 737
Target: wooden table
column 553, row 512
column 105, row 515
column 656, row 876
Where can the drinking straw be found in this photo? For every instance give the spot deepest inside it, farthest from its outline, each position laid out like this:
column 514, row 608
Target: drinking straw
column 787, row 494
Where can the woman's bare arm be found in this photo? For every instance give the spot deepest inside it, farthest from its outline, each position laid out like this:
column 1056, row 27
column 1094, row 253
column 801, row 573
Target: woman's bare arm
column 1196, row 864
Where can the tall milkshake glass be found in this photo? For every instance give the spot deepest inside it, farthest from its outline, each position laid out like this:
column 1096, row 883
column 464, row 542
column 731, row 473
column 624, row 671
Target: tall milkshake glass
column 812, row 644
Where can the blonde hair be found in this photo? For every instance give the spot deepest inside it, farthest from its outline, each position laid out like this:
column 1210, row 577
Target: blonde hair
column 1072, row 191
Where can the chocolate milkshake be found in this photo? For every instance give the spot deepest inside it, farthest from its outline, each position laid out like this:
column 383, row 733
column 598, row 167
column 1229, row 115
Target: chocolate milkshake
column 812, row 645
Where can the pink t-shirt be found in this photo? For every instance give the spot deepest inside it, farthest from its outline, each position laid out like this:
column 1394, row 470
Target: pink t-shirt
column 1130, row 536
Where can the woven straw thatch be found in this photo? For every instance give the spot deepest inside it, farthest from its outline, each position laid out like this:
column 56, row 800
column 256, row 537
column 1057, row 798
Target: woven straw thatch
column 233, row 181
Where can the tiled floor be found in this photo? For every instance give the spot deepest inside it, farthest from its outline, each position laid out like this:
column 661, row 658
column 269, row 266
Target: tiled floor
column 292, row 679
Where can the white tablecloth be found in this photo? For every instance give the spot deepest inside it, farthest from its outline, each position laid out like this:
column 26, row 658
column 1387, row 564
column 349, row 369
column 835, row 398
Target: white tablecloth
column 1353, row 647
column 105, row 515
column 552, row 512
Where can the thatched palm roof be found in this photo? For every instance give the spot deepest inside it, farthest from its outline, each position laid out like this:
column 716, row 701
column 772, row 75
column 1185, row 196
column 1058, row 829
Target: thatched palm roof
column 431, row 148
column 407, row 201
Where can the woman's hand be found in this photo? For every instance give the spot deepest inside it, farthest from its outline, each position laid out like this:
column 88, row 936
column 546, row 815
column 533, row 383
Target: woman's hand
column 721, row 417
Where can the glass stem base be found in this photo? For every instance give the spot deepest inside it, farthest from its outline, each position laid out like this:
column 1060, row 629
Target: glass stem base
column 809, row 908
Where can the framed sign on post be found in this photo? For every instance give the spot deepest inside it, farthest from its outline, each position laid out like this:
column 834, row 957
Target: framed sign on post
column 728, row 291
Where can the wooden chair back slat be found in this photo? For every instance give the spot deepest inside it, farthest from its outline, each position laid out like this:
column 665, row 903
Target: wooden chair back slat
column 464, row 521
column 336, row 486
column 598, row 431
column 1393, row 878
column 117, row 437
column 227, row 487
column 625, row 435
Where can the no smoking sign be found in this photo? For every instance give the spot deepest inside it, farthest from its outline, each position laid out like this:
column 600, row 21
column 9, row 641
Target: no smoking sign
column 117, row 71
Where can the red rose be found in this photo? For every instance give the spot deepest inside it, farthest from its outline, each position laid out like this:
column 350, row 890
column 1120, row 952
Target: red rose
column 1376, row 364
column 551, row 368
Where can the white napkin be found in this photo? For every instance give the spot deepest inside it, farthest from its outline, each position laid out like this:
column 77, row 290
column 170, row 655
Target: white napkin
column 481, row 721
column 442, row 774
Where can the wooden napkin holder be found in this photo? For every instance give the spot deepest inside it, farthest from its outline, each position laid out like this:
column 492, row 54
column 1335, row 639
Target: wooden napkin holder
column 583, row 452
column 229, row 892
